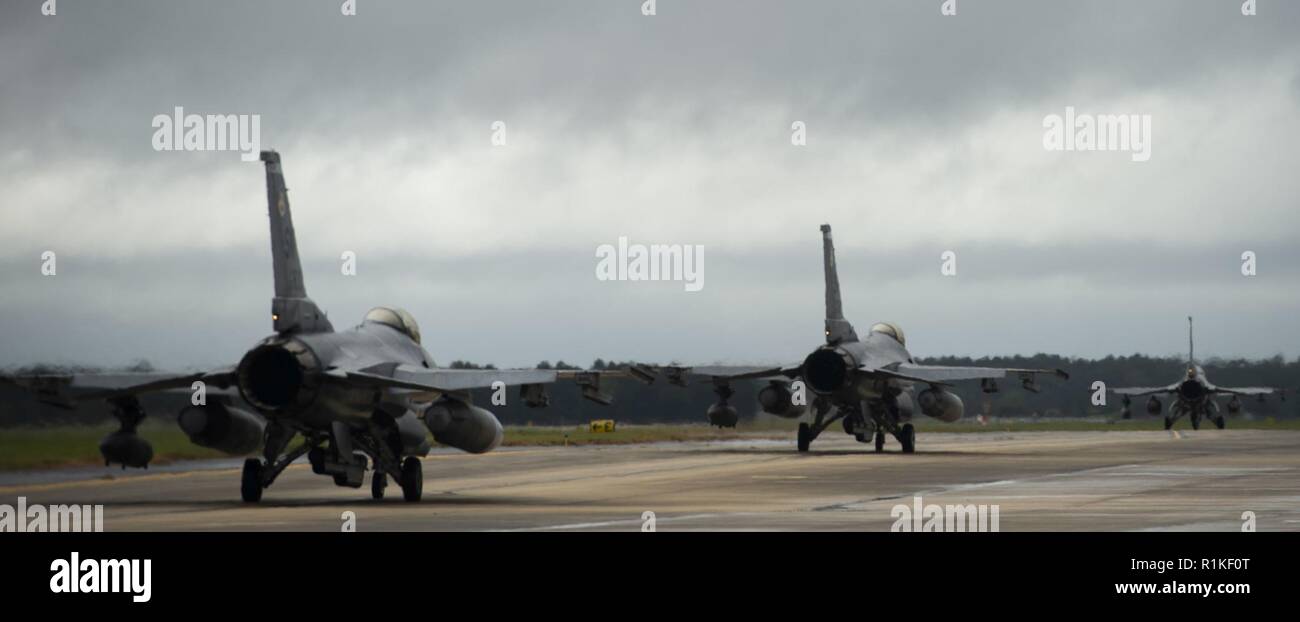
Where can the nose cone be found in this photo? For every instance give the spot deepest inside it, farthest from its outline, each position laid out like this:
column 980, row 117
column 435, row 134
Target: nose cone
column 1191, row 390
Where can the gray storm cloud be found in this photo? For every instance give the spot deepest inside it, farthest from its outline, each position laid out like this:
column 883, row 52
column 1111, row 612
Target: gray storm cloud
column 924, row 135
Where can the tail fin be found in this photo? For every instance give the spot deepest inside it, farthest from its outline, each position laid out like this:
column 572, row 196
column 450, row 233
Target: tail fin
column 837, row 328
column 291, row 309
column 1191, row 345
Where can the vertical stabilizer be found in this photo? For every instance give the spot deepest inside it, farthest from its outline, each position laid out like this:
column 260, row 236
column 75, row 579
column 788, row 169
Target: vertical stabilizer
column 1191, row 345
column 837, row 328
column 291, row 310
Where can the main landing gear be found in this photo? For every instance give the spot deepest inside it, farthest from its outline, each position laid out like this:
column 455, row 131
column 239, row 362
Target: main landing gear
column 884, row 419
column 250, row 485
column 906, row 436
column 886, row 416
column 411, row 482
column 259, row 474
column 342, row 453
column 820, row 422
column 412, row 479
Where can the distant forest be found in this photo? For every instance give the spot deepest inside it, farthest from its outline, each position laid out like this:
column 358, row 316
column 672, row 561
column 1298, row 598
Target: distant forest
column 665, row 403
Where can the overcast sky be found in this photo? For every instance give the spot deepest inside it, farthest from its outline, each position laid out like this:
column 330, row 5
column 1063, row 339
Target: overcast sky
column 924, row 134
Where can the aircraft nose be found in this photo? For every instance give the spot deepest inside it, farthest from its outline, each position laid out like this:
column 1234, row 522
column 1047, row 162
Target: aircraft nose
column 1191, row 390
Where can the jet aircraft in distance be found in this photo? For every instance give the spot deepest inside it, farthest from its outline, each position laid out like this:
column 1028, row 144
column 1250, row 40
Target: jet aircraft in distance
column 1193, row 394
column 868, row 384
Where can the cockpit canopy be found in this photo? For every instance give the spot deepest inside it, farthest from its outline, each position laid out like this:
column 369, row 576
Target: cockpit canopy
column 396, row 318
column 892, row 330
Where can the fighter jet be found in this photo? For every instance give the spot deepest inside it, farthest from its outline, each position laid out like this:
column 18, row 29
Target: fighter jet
column 367, row 392
column 1193, row 395
column 869, row 383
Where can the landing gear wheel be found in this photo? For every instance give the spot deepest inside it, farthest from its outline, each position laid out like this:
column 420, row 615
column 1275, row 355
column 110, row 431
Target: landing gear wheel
column 1220, row 423
column 378, row 482
column 880, row 441
column 317, row 459
column 907, row 436
column 1196, row 423
column 412, row 479
column 250, row 485
column 805, row 437
column 1169, row 423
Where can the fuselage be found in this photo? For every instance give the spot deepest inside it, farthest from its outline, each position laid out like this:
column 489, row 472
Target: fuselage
column 293, row 378
column 831, row 369
column 1194, row 389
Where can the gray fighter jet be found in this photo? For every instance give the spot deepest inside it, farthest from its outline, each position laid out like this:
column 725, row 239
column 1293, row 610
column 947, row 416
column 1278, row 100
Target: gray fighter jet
column 370, row 391
column 1193, row 395
column 868, row 382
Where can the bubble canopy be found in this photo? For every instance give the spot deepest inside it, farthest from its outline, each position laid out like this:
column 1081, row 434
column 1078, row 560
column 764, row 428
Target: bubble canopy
column 396, row 318
column 892, row 330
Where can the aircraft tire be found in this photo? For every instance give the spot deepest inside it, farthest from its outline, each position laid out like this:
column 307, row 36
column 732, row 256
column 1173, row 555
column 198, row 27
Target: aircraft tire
column 1169, row 423
column 880, row 441
column 1196, row 423
column 317, row 459
column 908, row 438
column 1220, row 423
column 805, row 437
column 412, row 479
column 250, row 483
column 378, row 482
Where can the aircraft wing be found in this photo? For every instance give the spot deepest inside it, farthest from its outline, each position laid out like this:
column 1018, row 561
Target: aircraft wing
column 943, row 373
column 1136, row 391
column 428, row 383
column 445, row 380
column 677, row 373
column 1247, row 390
column 66, row 389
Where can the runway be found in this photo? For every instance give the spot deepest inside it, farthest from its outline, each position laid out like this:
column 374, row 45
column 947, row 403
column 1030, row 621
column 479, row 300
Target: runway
column 1040, row 481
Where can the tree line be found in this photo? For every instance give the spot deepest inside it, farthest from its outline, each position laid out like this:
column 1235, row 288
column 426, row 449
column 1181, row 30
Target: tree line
column 664, row 403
